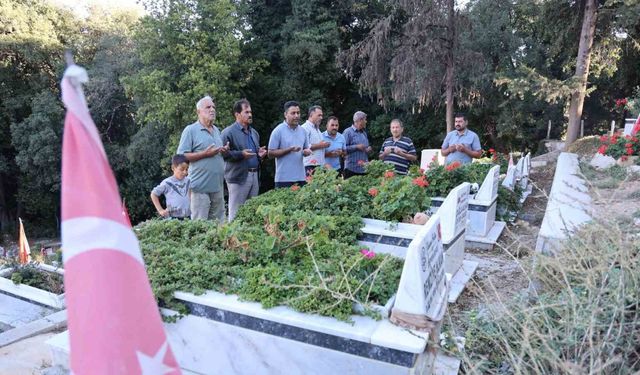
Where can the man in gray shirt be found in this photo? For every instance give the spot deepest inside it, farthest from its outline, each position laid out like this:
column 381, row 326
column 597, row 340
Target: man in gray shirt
column 242, row 162
column 202, row 145
column 287, row 144
column 461, row 144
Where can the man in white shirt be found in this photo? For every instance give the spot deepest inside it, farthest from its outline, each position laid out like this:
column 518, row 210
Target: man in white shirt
column 314, row 136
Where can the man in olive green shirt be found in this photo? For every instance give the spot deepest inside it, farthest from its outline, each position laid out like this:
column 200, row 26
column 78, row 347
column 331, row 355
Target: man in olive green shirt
column 202, row 144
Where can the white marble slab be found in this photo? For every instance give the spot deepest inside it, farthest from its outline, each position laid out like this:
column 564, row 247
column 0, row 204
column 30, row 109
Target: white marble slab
column 406, row 340
column 488, row 191
column 427, row 156
column 397, row 251
column 402, row 230
column 454, row 255
column 568, row 207
column 422, row 286
column 461, row 278
column 488, row 241
column 30, row 293
column 361, row 329
column 16, row 312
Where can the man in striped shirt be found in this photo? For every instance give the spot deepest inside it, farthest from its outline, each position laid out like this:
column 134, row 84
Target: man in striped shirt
column 398, row 150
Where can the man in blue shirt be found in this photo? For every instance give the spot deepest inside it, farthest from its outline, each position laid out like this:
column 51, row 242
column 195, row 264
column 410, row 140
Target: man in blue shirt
column 242, row 162
column 357, row 143
column 202, row 145
column 337, row 144
column 288, row 144
column 461, row 144
column 398, row 150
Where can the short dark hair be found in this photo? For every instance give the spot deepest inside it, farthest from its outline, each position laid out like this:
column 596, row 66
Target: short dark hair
column 178, row 159
column 332, row 118
column 313, row 108
column 289, row 104
column 460, row 114
column 237, row 106
column 398, row 121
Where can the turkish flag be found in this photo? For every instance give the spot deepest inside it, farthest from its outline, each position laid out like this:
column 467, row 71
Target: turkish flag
column 636, row 127
column 114, row 323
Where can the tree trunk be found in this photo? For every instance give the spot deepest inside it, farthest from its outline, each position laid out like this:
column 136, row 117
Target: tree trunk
column 450, row 64
column 582, row 70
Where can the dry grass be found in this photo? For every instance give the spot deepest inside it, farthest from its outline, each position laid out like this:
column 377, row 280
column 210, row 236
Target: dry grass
column 585, row 317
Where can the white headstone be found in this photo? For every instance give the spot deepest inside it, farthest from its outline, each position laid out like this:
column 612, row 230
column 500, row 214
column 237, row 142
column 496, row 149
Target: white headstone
column 489, row 189
column 629, row 123
column 453, row 212
column 526, row 165
column 600, row 161
column 429, row 156
column 519, row 168
column 510, row 179
column 422, row 289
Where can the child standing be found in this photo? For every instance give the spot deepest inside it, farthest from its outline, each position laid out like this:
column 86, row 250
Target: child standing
column 175, row 190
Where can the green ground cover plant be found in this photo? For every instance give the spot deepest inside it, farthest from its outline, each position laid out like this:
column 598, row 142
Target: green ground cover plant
column 29, row 274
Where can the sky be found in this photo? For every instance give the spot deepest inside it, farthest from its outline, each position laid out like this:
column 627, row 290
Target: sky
column 80, row 6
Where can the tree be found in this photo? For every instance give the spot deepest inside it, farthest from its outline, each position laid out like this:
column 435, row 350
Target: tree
column 407, row 53
column 582, row 69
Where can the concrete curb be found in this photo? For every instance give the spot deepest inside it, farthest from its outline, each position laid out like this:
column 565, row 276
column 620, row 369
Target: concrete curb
column 49, row 323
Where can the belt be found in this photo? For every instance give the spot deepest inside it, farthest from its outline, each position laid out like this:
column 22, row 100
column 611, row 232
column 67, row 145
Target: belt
column 252, row 169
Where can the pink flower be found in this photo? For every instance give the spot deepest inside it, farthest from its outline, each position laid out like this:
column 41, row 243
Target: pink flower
column 421, row 181
column 389, row 174
column 421, row 171
column 373, row 192
column 453, row 166
column 367, row 253
column 295, row 188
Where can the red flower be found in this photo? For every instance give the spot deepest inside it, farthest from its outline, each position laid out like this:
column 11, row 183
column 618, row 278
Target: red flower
column 373, row 192
column 621, row 102
column 628, row 145
column 421, row 181
column 492, row 151
column 453, row 166
column 623, row 158
column 602, row 149
column 604, row 138
column 295, row 188
column 389, row 174
column 421, row 171
column 361, row 162
column 629, row 151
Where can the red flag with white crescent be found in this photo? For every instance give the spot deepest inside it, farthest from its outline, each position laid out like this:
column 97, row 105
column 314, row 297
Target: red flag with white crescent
column 636, row 127
column 114, row 323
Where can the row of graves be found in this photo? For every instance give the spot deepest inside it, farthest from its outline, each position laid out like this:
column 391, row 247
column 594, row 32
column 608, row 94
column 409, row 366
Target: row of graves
column 226, row 333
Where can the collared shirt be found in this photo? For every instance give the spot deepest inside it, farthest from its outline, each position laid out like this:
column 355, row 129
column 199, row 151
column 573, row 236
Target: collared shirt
column 289, row 168
column 176, row 193
column 314, row 136
column 467, row 138
column 206, row 174
column 235, row 165
column 400, row 163
column 337, row 143
column 355, row 157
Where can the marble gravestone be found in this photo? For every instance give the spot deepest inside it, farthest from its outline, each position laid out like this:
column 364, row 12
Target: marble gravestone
column 482, row 210
column 510, row 179
column 422, row 290
column 429, row 156
column 453, row 220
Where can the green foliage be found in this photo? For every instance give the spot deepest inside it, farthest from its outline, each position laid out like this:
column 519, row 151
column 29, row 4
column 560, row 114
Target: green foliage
column 302, row 261
column 29, row 274
column 442, row 179
column 399, row 198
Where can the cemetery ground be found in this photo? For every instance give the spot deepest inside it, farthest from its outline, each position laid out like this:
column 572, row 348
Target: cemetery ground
column 498, row 295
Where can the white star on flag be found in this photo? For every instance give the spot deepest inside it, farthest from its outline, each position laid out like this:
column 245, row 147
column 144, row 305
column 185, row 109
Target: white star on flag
column 154, row 365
